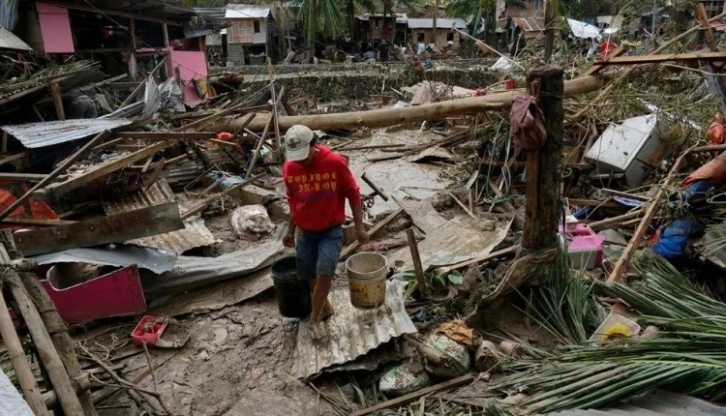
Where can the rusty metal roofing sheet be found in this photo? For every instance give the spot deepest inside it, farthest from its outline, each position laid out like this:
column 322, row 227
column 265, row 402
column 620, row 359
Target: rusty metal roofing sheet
column 353, row 332
column 530, row 24
column 48, row 133
column 9, row 41
column 196, row 234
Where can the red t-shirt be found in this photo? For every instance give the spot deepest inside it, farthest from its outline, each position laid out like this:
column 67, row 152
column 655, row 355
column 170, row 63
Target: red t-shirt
column 317, row 191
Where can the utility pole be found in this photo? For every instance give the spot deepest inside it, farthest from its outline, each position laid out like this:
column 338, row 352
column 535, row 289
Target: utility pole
column 655, row 14
column 550, row 17
column 436, row 29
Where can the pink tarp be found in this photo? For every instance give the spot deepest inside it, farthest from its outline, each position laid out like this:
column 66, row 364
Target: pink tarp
column 192, row 65
column 55, row 29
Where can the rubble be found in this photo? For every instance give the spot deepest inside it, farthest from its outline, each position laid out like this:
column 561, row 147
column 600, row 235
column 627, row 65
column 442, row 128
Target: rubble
column 531, row 246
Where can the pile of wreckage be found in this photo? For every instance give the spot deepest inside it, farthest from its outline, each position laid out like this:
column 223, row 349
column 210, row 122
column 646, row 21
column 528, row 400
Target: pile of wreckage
column 512, row 221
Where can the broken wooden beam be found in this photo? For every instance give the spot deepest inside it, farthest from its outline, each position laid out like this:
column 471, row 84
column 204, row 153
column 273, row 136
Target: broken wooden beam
column 653, row 59
column 417, row 266
column 158, row 219
column 614, row 222
column 199, row 207
column 104, row 169
column 26, row 379
column 408, row 398
column 22, row 177
column 63, row 342
column 389, row 116
column 44, row 345
column 56, row 172
column 165, row 135
column 373, row 231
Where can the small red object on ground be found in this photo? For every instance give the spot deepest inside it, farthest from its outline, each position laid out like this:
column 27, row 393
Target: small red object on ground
column 149, row 329
column 480, row 93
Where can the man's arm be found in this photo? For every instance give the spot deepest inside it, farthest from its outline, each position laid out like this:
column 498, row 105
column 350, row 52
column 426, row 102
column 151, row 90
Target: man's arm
column 289, row 239
column 351, row 191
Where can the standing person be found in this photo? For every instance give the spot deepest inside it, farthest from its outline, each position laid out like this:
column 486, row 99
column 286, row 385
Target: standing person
column 318, row 181
column 383, row 51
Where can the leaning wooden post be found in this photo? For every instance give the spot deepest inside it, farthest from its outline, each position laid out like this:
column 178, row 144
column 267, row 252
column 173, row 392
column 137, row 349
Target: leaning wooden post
column 62, row 341
column 28, row 386
column 46, row 350
column 543, row 165
column 423, row 291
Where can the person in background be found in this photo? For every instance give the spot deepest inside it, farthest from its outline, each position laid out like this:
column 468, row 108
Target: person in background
column 318, row 182
column 383, row 51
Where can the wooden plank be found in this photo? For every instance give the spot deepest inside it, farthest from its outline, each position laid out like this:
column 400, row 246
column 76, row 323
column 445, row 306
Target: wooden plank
column 34, row 221
column 59, row 170
column 57, row 100
column 652, row 59
column 374, row 230
column 408, row 398
column 165, row 135
column 416, row 259
column 13, row 158
column 596, row 67
column 44, row 346
column 20, row 177
column 145, row 222
column 480, row 259
column 104, row 169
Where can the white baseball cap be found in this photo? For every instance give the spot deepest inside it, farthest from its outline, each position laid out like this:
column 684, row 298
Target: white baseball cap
column 297, row 142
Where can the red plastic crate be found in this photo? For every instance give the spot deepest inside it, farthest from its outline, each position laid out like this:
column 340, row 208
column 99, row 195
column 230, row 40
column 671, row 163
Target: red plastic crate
column 148, row 330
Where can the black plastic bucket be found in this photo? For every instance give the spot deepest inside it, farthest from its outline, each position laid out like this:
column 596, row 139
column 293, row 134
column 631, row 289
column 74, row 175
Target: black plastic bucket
column 293, row 294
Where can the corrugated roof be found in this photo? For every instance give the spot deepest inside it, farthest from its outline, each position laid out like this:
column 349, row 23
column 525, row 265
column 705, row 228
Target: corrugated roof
column 48, row 133
column 353, row 332
column 246, row 11
column 401, row 18
column 441, row 23
column 8, row 40
column 195, row 234
column 659, row 402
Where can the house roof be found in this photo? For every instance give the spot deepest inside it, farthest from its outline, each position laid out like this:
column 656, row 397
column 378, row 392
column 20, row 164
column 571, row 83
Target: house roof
column 401, row 18
column 246, row 11
column 9, row 41
column 442, row 23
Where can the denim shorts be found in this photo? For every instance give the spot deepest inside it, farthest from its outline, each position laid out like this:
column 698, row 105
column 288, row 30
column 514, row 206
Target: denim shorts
column 318, row 252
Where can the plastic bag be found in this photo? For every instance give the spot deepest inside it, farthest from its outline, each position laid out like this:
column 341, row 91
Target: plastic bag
column 251, row 221
column 445, row 357
column 404, row 378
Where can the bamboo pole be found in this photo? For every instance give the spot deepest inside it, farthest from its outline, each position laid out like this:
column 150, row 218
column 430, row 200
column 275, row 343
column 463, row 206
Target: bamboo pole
column 416, row 259
column 28, row 386
column 62, row 341
column 46, row 350
column 390, row 116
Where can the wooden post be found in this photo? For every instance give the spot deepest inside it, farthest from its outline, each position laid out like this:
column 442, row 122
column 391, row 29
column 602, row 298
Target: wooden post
column 416, row 258
column 29, row 387
column 62, row 341
column 550, row 16
column 543, row 165
column 165, row 33
column 46, row 350
column 57, row 100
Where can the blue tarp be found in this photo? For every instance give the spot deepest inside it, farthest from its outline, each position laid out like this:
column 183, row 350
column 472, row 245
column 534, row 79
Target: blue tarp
column 673, row 238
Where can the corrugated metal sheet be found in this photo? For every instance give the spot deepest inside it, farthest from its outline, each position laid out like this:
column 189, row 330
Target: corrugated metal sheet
column 658, row 402
column 246, row 11
column 427, row 23
column 118, row 255
column 48, row 133
column 8, row 40
column 196, row 234
column 353, row 332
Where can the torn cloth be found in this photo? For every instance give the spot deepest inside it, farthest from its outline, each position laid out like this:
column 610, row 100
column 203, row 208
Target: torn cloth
column 458, row 331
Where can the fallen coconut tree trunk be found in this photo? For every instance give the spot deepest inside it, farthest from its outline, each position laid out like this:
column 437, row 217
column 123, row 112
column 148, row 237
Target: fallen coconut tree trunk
column 391, row 116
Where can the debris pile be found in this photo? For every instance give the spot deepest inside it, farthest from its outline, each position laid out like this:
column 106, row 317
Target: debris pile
column 540, row 241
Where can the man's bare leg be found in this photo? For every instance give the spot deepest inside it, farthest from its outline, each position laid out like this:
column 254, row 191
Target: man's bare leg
column 322, row 308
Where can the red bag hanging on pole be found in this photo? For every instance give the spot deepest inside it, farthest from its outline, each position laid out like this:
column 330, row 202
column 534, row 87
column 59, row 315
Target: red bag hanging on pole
column 527, row 123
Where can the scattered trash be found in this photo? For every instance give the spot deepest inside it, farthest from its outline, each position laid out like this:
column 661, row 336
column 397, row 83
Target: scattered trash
column 404, row 378
column 444, row 357
column 251, row 222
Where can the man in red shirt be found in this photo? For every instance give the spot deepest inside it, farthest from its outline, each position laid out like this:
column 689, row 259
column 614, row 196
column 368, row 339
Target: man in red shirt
column 318, row 181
